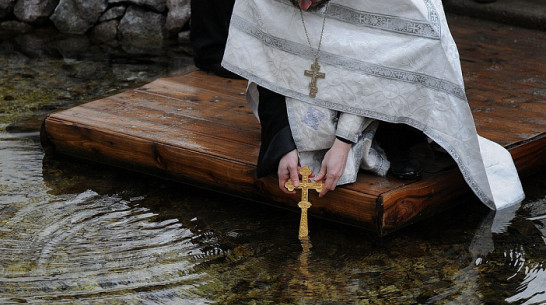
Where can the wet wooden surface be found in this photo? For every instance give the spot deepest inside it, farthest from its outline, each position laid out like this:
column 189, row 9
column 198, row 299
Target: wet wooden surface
column 197, row 129
column 504, row 69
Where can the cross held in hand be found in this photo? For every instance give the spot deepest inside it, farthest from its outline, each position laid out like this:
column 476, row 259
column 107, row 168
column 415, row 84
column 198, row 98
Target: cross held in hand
column 305, row 184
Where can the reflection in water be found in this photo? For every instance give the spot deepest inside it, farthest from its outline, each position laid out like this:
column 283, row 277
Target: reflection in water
column 71, row 230
column 304, row 280
column 531, row 289
column 88, row 246
column 91, row 247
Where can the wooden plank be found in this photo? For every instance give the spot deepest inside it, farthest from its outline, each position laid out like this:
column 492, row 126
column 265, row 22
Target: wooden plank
column 153, row 123
column 218, row 84
column 208, row 106
column 202, row 170
column 126, row 127
column 403, row 206
column 135, row 152
column 200, row 81
column 504, row 70
column 122, row 125
column 346, row 205
column 530, row 155
column 168, row 88
column 420, row 199
column 139, row 109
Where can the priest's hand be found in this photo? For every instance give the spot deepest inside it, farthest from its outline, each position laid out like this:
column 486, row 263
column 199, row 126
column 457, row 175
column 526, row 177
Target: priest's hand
column 289, row 170
column 333, row 166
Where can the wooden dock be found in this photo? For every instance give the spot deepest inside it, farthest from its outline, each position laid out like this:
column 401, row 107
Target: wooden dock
column 197, row 129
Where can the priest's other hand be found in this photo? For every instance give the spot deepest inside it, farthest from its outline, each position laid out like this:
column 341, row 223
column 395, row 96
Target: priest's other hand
column 333, row 166
column 289, row 170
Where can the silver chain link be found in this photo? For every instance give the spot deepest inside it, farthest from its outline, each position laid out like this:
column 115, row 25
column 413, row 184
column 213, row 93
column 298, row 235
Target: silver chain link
column 321, row 31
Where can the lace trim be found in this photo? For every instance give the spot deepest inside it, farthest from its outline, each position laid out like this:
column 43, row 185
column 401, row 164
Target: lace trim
column 384, row 22
column 347, row 63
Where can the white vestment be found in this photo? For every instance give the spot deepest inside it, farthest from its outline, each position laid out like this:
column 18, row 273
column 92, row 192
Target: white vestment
column 389, row 60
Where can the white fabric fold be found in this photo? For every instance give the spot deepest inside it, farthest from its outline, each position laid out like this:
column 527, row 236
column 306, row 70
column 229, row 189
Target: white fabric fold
column 390, row 60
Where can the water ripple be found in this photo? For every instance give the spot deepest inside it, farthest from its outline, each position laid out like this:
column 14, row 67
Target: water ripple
column 531, row 289
column 97, row 247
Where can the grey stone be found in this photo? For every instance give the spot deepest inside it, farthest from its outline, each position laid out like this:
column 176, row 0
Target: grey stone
column 7, row 47
column 113, row 13
column 34, row 11
column 15, row 59
column 112, row 48
column 35, row 45
column 15, row 26
column 77, row 16
column 184, row 37
column 158, row 5
column 178, row 15
column 141, row 31
column 73, row 46
column 6, row 6
column 140, row 73
column 86, row 72
column 105, row 32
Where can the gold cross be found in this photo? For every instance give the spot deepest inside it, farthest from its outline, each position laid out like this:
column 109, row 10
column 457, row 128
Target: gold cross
column 304, row 204
column 314, row 74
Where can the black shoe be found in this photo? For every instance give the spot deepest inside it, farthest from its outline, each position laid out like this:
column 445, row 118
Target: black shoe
column 220, row 71
column 404, row 165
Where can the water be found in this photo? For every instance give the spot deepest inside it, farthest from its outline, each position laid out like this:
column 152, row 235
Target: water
column 73, row 232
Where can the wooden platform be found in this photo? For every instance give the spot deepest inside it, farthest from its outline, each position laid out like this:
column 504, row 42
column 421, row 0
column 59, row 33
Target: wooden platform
column 197, row 129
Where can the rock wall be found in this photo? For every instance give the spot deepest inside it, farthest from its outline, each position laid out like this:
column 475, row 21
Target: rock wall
column 137, row 26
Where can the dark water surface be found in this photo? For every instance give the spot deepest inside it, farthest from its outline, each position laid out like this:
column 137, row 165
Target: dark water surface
column 73, row 232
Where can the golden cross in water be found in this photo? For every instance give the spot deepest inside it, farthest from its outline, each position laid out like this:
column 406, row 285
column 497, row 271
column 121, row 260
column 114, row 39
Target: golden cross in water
column 314, row 74
column 304, row 204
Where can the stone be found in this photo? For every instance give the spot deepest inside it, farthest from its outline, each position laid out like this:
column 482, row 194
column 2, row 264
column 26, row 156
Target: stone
column 6, row 6
column 135, row 72
column 16, row 26
column 178, row 15
column 34, row 11
column 105, row 32
column 35, row 44
column 158, row 5
column 77, row 16
column 141, row 31
column 113, row 13
column 184, row 37
column 72, row 46
column 86, row 72
column 12, row 57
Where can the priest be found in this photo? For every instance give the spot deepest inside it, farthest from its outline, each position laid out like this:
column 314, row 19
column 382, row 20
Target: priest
column 338, row 68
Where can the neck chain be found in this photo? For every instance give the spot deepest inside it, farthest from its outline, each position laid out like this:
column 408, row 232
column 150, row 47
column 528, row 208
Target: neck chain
column 314, row 73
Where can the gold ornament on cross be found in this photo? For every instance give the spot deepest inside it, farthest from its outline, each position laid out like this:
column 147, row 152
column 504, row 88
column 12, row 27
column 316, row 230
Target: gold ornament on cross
column 304, row 204
column 315, row 74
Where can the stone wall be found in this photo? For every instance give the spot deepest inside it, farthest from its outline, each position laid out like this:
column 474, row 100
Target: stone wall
column 137, row 26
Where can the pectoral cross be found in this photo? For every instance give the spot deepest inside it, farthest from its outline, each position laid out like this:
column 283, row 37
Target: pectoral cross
column 315, row 75
column 304, row 204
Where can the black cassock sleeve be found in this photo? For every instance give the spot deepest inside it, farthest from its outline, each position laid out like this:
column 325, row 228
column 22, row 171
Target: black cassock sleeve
column 276, row 135
column 209, row 30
